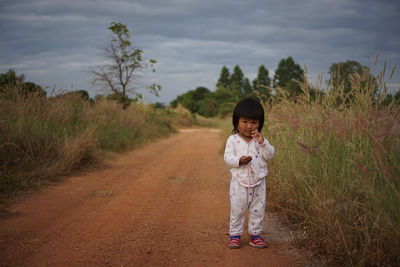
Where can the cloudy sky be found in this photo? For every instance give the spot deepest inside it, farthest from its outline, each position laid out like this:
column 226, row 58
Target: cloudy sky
column 56, row 42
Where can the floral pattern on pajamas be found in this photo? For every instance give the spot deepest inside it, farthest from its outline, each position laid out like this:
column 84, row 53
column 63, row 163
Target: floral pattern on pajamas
column 247, row 189
column 243, row 199
column 250, row 174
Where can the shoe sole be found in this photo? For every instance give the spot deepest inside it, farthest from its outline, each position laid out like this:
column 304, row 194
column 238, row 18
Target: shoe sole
column 254, row 245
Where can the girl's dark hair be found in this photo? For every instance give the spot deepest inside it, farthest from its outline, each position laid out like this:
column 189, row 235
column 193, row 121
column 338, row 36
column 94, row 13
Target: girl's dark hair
column 250, row 109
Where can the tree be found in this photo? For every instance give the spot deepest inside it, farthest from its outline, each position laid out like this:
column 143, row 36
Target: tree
column 389, row 99
column 84, row 95
column 262, row 79
column 224, row 78
column 158, row 105
column 225, row 95
column 123, row 62
column 201, row 93
column 194, row 100
column 340, row 74
column 237, row 79
column 397, row 96
column 247, row 86
column 208, row 107
column 286, row 75
column 10, row 78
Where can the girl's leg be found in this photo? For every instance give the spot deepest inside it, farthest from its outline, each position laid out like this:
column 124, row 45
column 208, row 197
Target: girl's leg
column 257, row 209
column 238, row 198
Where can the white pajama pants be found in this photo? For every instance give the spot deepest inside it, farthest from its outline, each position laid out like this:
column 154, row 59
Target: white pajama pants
column 247, row 198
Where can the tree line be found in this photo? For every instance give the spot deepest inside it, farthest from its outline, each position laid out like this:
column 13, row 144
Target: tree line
column 288, row 76
column 119, row 77
column 231, row 87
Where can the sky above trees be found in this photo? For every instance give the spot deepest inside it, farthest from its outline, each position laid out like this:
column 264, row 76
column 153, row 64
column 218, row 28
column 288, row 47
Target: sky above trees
column 58, row 42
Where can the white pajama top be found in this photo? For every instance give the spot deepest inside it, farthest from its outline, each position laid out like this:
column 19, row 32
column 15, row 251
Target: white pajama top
column 248, row 175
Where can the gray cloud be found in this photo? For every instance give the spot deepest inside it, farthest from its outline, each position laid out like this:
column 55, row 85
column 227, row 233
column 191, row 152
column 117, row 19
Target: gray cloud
column 57, row 42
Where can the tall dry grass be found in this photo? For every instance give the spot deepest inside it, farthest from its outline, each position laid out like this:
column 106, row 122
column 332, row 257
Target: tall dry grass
column 43, row 138
column 336, row 171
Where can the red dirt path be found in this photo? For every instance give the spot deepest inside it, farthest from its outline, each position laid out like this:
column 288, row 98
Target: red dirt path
column 164, row 203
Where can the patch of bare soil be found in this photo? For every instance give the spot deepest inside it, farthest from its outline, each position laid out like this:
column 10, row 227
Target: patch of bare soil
column 164, row 203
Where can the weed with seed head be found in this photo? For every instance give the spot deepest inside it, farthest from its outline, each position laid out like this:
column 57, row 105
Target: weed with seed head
column 336, row 171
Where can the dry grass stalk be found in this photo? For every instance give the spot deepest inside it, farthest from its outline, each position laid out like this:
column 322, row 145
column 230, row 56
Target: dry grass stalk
column 348, row 214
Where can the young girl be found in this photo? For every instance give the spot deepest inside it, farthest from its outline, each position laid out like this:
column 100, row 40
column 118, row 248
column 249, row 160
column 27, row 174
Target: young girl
column 246, row 151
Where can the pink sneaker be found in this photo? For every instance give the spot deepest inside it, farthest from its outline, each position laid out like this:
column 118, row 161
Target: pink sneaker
column 257, row 242
column 234, row 241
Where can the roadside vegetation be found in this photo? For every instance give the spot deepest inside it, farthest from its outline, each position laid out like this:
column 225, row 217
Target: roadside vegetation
column 335, row 176
column 45, row 138
column 336, row 172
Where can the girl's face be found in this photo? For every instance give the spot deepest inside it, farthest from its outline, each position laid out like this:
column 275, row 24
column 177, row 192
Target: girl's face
column 246, row 127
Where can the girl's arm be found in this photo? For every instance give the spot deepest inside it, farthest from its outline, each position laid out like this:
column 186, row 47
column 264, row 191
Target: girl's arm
column 230, row 156
column 266, row 150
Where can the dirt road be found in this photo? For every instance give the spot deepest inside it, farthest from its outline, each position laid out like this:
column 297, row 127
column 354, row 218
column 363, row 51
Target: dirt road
column 165, row 203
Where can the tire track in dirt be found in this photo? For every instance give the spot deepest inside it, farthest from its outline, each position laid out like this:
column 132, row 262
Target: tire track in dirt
column 164, row 203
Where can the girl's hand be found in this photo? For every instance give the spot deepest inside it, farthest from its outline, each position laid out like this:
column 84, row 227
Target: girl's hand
column 244, row 160
column 258, row 136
